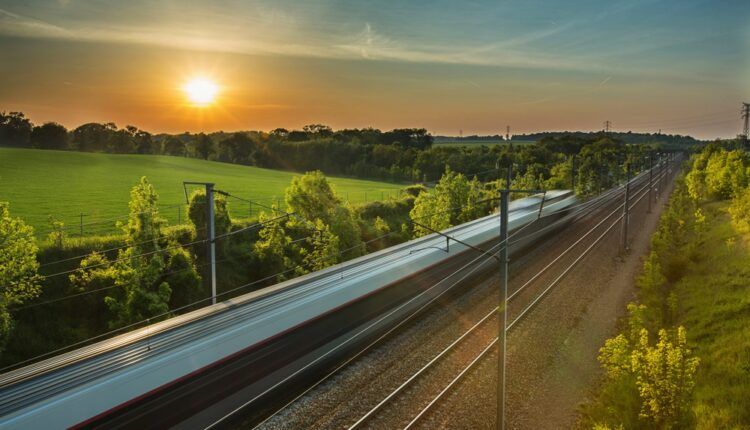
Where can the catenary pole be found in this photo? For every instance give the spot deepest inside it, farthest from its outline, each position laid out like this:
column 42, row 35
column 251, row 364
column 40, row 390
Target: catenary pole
column 211, row 238
column 650, row 178
column 626, row 211
column 503, row 316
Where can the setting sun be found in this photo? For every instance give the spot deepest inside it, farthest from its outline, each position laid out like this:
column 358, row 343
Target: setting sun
column 201, row 91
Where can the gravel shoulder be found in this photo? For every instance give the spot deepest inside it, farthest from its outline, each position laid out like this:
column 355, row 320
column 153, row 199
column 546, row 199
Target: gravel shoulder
column 552, row 355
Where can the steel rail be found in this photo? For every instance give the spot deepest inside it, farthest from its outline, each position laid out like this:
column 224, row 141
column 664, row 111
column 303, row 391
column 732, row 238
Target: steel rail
column 391, row 330
column 518, row 318
column 587, row 205
column 450, row 347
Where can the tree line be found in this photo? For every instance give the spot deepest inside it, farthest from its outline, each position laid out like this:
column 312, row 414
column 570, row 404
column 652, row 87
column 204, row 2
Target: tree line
column 627, row 137
column 397, row 155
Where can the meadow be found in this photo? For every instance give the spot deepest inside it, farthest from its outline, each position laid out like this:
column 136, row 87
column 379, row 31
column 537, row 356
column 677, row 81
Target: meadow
column 40, row 183
column 469, row 143
column 702, row 286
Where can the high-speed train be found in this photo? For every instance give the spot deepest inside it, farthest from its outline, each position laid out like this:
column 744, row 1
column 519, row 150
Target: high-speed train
column 191, row 370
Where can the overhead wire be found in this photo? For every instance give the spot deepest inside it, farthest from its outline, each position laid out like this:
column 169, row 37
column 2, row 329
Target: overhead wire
column 403, row 321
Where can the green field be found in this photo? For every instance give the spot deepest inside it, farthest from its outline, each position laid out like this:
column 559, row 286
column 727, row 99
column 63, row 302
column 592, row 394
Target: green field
column 38, row 183
column 482, row 142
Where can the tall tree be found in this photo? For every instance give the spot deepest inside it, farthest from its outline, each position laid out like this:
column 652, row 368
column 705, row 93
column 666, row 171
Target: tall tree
column 204, row 146
column 15, row 129
column 238, row 148
column 142, row 141
column 312, row 197
column 50, row 135
column 174, row 146
column 93, row 137
column 152, row 274
column 19, row 281
column 121, row 142
column 454, row 200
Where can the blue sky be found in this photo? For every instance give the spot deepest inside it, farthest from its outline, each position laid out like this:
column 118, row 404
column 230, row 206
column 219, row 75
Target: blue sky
column 446, row 65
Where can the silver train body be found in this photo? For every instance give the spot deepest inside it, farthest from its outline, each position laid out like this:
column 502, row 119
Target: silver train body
column 191, row 369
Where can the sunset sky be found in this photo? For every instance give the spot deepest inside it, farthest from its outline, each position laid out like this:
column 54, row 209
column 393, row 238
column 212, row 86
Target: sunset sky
column 682, row 66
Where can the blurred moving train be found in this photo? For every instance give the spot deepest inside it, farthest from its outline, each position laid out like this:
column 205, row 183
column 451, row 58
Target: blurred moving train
column 193, row 369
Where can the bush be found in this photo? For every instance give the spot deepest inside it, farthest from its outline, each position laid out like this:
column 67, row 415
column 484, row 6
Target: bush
column 18, row 267
column 739, row 209
column 718, row 174
column 662, row 376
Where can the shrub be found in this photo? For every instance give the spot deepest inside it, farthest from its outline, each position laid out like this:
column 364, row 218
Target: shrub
column 739, row 209
column 18, row 267
column 663, row 375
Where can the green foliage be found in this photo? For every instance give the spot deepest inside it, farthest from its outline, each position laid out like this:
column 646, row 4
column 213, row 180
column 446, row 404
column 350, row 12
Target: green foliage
column 311, row 197
column 140, row 275
column 271, row 250
column 18, row 267
column 665, row 376
column 455, row 199
column 703, row 288
column 718, row 173
column 182, row 276
column 15, row 129
column 204, row 146
column 95, row 277
column 655, row 288
column 600, row 166
column 739, row 209
column 198, row 214
column 415, row 190
column 561, row 176
column 56, row 235
column 174, row 146
column 49, row 136
column 323, row 248
column 661, row 377
column 431, row 210
column 532, row 179
column 385, row 218
column 381, row 227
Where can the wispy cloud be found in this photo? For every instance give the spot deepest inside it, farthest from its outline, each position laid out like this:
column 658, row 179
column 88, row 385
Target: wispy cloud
column 558, row 41
column 13, row 24
column 367, row 44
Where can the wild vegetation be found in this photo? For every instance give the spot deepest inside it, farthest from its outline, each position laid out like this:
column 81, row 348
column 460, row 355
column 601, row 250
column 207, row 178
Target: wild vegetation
column 18, row 268
column 682, row 358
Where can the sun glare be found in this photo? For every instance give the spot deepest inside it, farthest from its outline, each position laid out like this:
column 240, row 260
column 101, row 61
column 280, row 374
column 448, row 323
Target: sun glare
column 201, row 91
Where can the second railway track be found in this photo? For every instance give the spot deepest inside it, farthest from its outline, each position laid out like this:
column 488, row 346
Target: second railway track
column 398, row 378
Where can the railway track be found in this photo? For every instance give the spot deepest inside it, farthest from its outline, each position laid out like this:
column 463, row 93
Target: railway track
column 459, row 356
column 472, row 347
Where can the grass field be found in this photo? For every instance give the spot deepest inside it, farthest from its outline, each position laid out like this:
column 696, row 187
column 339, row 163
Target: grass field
column 710, row 299
column 38, row 183
column 714, row 306
column 482, row 142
